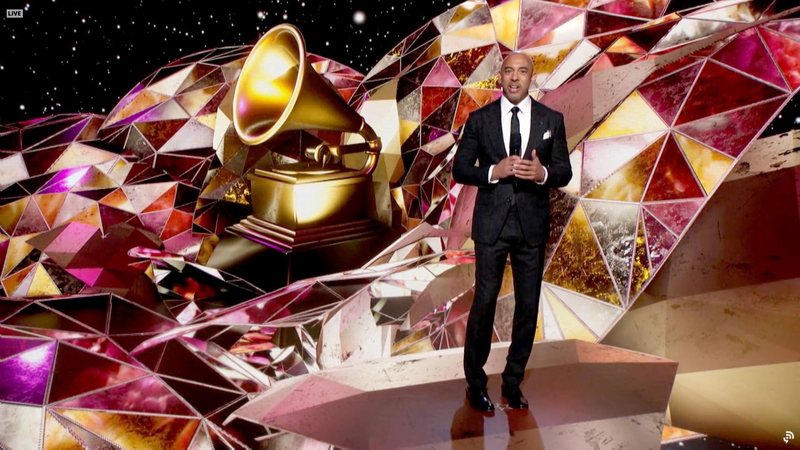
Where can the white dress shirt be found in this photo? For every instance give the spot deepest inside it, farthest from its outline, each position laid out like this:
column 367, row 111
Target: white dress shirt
column 524, row 116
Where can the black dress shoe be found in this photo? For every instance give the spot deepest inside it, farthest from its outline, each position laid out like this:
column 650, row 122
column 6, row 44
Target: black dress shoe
column 479, row 399
column 514, row 398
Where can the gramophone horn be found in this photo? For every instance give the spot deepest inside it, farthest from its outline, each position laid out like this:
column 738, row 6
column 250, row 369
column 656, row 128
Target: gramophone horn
column 279, row 91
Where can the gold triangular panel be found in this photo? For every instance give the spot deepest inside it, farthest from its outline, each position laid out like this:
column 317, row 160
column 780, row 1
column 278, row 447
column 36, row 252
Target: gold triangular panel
column 641, row 264
column 578, row 263
column 710, row 166
column 628, row 183
column 632, row 116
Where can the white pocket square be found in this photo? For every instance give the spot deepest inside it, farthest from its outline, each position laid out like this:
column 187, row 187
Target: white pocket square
column 546, row 135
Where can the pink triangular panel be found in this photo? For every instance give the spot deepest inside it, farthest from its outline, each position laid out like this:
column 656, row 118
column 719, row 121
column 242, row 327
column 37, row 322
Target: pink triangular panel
column 676, row 215
column 659, row 240
column 719, row 89
column 148, row 395
column 88, row 275
column 26, row 375
column 748, row 54
column 732, row 132
column 155, row 221
column 785, row 51
column 31, row 221
column 441, row 75
column 77, row 371
column 790, row 28
column 10, row 346
column 666, row 95
column 537, row 19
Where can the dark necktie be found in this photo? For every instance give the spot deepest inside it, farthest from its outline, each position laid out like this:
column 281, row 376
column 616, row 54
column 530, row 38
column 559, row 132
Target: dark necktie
column 515, row 143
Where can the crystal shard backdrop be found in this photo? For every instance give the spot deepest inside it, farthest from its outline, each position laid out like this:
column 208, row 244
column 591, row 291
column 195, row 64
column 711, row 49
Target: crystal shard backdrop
column 115, row 331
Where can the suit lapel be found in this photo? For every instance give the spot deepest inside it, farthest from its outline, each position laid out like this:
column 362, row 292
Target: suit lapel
column 496, row 130
column 537, row 129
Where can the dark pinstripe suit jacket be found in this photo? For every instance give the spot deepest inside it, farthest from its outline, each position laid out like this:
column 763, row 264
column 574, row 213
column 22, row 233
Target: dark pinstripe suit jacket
column 482, row 142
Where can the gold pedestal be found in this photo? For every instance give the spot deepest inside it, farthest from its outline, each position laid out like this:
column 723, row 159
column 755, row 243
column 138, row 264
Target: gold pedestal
column 298, row 206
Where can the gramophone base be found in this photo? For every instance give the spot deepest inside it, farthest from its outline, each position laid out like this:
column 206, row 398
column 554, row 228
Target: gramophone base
column 286, row 240
column 284, row 201
column 270, row 264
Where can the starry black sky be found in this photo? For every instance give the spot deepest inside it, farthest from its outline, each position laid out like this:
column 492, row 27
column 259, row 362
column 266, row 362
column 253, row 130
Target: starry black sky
column 68, row 56
column 76, row 56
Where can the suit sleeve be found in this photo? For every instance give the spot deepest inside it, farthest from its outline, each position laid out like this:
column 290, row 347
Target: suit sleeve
column 464, row 169
column 559, row 172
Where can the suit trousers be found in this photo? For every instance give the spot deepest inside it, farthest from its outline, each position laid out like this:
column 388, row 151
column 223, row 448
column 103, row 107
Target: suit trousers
column 527, row 266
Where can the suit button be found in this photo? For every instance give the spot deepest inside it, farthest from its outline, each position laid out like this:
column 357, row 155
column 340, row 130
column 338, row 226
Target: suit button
column 508, row 200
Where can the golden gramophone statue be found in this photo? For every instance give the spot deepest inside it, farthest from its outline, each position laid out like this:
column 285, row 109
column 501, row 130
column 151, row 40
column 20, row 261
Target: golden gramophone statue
column 305, row 204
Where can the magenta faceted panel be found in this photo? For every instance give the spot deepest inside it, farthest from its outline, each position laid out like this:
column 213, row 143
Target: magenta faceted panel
column 108, row 372
column 26, row 375
column 733, row 131
column 790, row 28
column 537, row 19
column 667, row 94
column 101, row 261
column 81, row 371
column 146, row 395
column 719, row 89
column 785, row 51
column 93, row 313
column 100, row 345
column 441, row 75
column 675, row 215
column 147, row 320
column 659, row 239
column 748, row 54
column 598, row 23
column 648, row 9
column 177, row 361
column 10, row 346
column 648, row 35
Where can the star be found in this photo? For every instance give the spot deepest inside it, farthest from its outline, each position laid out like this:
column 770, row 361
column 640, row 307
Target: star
column 359, row 17
column 40, row 49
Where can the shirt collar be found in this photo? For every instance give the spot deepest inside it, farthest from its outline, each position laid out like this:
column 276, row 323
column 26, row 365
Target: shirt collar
column 506, row 105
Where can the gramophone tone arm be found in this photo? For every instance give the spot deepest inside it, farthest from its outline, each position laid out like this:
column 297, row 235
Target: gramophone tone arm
column 327, row 153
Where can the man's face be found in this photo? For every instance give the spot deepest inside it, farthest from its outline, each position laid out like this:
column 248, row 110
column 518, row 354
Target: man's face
column 515, row 77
